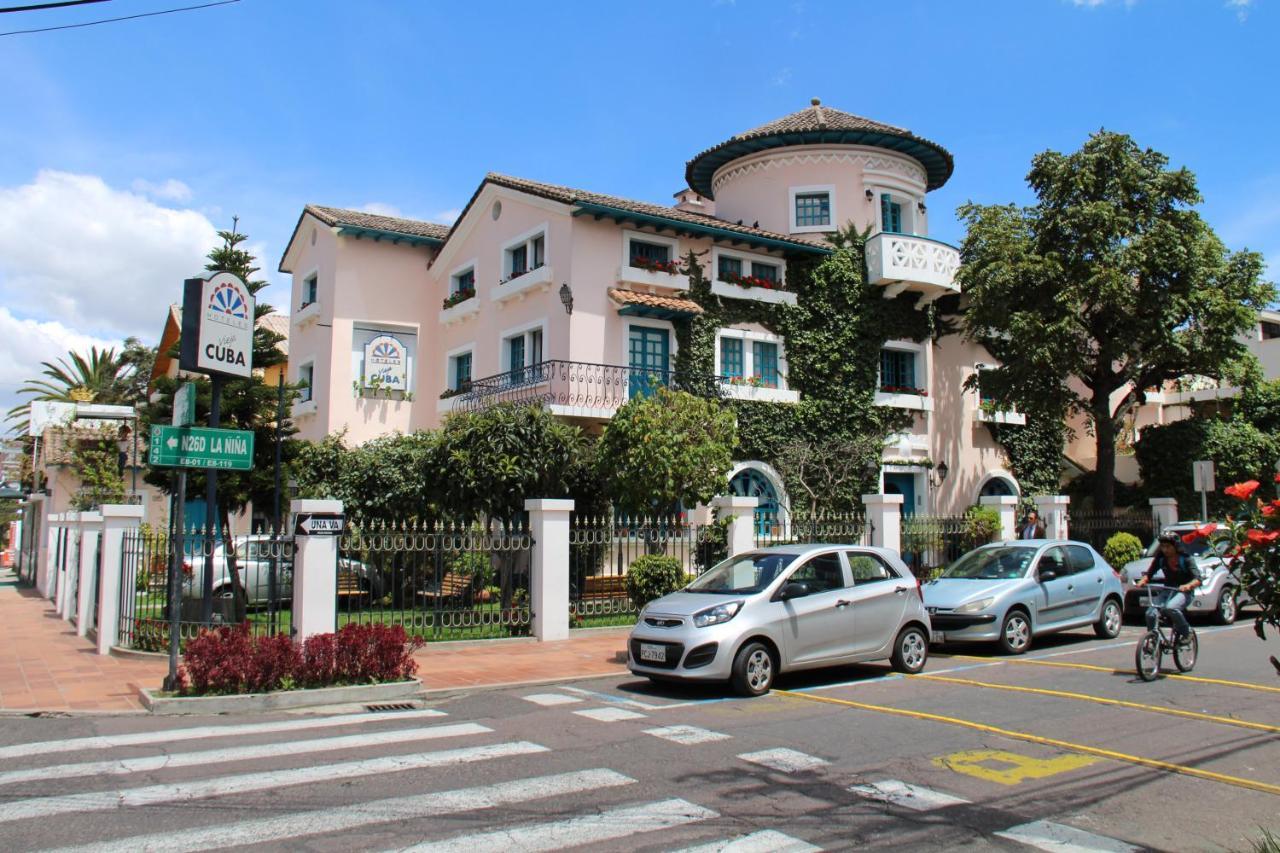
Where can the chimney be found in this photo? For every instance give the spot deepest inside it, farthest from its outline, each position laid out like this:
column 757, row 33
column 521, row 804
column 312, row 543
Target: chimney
column 690, row 202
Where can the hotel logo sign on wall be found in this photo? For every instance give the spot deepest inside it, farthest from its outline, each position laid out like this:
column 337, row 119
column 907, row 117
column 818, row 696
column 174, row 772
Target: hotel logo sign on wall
column 387, row 361
column 217, row 325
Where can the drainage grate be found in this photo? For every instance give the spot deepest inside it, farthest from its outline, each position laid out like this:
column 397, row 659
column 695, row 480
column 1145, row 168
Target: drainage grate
column 390, row 706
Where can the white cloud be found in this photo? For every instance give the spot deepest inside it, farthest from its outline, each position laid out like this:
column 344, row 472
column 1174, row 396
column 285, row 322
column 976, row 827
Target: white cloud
column 382, row 209
column 782, row 78
column 91, row 257
column 24, row 344
column 1241, row 7
column 170, row 190
column 448, row 217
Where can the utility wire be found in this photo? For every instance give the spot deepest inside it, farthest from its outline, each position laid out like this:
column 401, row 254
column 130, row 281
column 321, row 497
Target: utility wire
column 125, row 18
column 35, row 7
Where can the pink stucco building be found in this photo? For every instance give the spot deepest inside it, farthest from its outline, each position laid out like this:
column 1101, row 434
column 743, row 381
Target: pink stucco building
column 540, row 291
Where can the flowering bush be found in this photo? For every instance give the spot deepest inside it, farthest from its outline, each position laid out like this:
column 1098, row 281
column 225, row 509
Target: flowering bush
column 231, row 660
column 1254, row 531
column 751, row 281
column 461, row 295
column 653, row 265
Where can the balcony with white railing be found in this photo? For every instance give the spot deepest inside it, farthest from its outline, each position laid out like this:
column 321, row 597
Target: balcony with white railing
column 907, row 263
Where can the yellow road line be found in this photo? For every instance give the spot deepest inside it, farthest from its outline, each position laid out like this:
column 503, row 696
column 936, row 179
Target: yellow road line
column 1244, row 685
column 1153, row 763
column 1102, row 700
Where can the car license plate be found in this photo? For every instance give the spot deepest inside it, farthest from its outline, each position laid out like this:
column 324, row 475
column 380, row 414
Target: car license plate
column 649, row 651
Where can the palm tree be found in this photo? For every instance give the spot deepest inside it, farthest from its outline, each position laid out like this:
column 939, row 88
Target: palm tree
column 98, row 378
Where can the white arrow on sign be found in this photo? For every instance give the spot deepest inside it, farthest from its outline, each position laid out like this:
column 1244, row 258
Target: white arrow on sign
column 322, row 525
column 172, row 442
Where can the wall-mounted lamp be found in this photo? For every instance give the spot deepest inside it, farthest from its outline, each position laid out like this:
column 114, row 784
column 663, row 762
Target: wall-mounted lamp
column 871, row 196
column 566, row 297
column 940, row 474
column 920, row 206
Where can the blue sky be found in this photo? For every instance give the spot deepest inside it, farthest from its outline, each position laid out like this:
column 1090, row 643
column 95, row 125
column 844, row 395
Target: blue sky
column 123, row 145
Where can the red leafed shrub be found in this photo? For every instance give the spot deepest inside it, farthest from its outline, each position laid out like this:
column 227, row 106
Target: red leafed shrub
column 231, row 660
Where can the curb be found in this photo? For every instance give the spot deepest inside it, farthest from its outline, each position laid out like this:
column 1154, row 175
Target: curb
column 284, row 700
column 134, row 654
column 508, row 685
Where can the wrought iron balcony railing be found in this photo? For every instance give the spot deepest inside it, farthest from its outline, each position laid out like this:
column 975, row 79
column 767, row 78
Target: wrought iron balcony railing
column 582, row 388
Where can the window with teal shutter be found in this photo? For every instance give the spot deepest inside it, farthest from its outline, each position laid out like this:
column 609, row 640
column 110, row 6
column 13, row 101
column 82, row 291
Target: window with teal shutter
column 769, row 272
column 515, row 353
column 890, row 214
column 461, row 371
column 464, row 281
column 765, row 366
column 729, row 267
column 897, row 370
column 519, row 259
column 813, row 209
column 731, row 357
column 650, row 251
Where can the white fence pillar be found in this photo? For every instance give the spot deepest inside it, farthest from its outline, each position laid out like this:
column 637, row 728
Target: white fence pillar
column 64, row 601
column 117, row 521
column 549, row 568
column 1164, row 512
column 1007, row 506
column 315, row 574
column 884, row 514
column 1053, row 512
column 741, row 513
column 86, row 589
column 44, row 553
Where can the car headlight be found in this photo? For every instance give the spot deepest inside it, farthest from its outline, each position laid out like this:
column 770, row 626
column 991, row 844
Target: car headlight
column 975, row 606
column 716, row 615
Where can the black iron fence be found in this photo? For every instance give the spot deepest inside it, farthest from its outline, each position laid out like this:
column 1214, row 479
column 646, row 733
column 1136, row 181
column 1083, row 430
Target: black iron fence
column 932, row 542
column 602, row 550
column 593, row 389
column 838, row 528
column 252, row 585
column 1096, row 528
column 441, row 582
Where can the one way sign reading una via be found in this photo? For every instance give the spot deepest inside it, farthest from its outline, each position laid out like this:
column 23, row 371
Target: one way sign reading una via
column 316, row 524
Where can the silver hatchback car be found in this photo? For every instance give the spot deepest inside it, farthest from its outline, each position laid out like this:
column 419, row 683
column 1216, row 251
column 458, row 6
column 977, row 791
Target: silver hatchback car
column 783, row 608
column 1010, row 592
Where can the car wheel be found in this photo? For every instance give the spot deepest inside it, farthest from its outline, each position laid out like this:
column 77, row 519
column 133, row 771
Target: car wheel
column 753, row 670
column 910, row 650
column 1228, row 607
column 1015, row 632
column 1109, row 622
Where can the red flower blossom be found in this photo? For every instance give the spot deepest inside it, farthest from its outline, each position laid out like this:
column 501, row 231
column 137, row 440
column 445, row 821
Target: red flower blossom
column 1242, row 491
column 1201, row 532
column 1261, row 538
column 1272, row 509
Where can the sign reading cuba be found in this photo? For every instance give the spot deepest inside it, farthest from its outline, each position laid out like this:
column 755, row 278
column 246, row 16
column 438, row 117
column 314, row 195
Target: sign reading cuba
column 386, row 363
column 217, row 325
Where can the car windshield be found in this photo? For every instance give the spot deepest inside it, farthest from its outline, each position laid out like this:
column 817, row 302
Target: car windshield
column 992, row 563
column 743, row 574
column 1202, row 547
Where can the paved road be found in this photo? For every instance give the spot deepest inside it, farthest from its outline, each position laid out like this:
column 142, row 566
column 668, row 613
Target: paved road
column 983, row 753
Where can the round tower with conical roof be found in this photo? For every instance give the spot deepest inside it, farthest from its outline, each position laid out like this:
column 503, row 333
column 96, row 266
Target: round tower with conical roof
column 818, row 169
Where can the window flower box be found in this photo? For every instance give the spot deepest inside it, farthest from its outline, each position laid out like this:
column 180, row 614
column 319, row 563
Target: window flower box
column 651, row 265
column 459, row 296
column 453, row 392
column 903, row 389
column 515, row 274
column 735, row 286
column 749, row 281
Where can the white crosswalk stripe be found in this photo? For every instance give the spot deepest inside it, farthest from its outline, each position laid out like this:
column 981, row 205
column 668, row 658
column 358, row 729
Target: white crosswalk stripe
column 331, row 820
column 201, row 758
column 1059, row 838
column 260, row 781
column 609, row 715
column 686, row 735
column 573, row 832
column 785, row 760
column 912, row 797
column 549, row 699
column 765, row 841
column 24, row 750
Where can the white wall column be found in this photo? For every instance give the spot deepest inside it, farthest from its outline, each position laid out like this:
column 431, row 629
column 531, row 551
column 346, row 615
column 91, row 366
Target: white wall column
column 315, row 574
column 1164, row 512
column 39, row 521
column 1007, row 506
column 64, row 600
column 549, row 568
column 1053, row 512
column 741, row 512
column 117, row 521
column 49, row 553
column 884, row 514
column 90, row 530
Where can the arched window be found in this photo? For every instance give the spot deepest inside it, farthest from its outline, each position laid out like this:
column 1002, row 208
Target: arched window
column 998, row 487
column 752, row 483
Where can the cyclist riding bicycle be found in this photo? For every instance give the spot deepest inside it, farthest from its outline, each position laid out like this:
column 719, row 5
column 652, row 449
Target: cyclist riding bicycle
column 1179, row 570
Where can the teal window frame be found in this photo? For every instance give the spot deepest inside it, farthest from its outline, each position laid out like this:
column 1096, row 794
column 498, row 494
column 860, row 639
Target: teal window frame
column 518, row 259
column 307, row 379
column 731, row 357
column 727, row 266
column 539, row 251
column 764, row 363
column 897, row 369
column 650, row 251
column 461, row 370
column 813, row 209
column 890, row 215
column 463, row 281
column 768, row 272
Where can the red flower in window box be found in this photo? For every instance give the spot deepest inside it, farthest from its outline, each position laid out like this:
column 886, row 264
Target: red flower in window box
column 750, row 281
column 461, row 295
column 651, row 265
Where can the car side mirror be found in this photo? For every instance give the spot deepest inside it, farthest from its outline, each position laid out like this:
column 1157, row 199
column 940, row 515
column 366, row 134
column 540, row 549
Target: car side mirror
column 791, row 590
column 1047, row 574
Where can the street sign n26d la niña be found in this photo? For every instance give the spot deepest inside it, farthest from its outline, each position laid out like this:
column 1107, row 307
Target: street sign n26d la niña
column 201, row 447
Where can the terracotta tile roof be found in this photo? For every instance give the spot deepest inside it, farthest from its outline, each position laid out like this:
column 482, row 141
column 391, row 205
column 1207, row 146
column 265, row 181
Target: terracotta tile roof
column 568, row 195
column 817, row 124
column 652, row 300
column 359, row 219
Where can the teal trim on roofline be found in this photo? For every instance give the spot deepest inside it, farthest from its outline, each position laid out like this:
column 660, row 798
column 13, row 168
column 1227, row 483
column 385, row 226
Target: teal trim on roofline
column 936, row 160
column 618, row 214
column 378, row 234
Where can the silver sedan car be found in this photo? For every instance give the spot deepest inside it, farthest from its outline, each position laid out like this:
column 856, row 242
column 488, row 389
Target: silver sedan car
column 784, row 608
column 1009, row 592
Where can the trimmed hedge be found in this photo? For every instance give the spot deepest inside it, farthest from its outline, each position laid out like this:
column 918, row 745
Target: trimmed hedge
column 1122, row 548
column 653, row 576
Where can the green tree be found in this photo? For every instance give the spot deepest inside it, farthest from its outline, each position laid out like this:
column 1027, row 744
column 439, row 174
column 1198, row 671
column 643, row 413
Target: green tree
column 1239, row 450
column 102, row 377
column 666, row 448
column 828, row 466
column 391, row 478
column 1109, row 285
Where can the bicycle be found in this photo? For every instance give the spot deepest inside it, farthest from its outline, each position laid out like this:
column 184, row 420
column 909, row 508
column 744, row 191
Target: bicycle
column 1152, row 645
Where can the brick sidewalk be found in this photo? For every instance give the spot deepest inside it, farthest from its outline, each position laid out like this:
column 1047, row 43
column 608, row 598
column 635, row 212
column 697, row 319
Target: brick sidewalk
column 44, row 666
